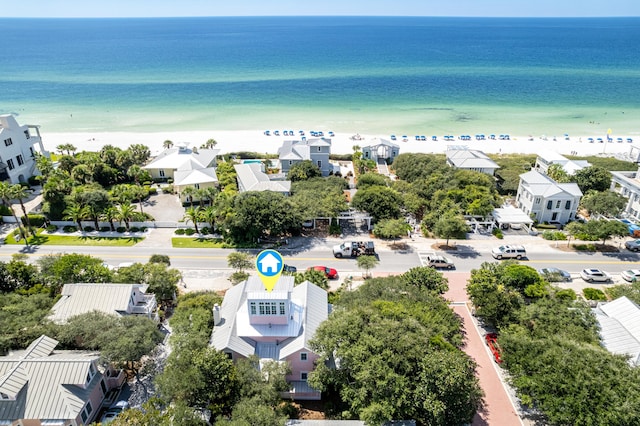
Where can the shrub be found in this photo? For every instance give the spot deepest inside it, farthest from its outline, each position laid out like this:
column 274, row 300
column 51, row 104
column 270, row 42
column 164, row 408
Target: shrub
column 134, row 229
column 121, row 229
column 52, row 228
column 105, row 229
column 554, row 235
column 566, row 294
column 152, row 191
column 189, row 231
column 168, row 189
column 147, row 183
column 5, row 210
column 35, row 220
column 334, row 228
column 238, row 277
column 160, row 258
column 143, row 229
column 34, row 180
column 69, row 228
column 546, row 226
column 89, row 229
column 497, row 232
column 179, row 231
column 205, row 230
column 593, row 294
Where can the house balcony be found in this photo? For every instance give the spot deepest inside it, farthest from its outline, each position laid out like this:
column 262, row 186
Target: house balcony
column 147, row 306
column 300, row 390
column 115, row 381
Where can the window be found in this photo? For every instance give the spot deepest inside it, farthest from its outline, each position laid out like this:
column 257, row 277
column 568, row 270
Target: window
column 229, row 355
column 282, row 308
column 196, row 185
column 304, row 375
column 8, row 142
column 252, row 308
column 20, row 160
column 558, row 204
column 554, row 216
column 32, row 151
column 303, row 356
column 567, row 205
column 103, row 387
column 26, row 134
column 320, row 164
column 549, row 204
column 86, row 412
column 161, row 173
column 319, row 149
column 10, row 164
column 537, row 200
column 290, row 162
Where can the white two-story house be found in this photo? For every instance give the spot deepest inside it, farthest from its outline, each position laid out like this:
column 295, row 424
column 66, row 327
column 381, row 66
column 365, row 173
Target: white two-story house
column 317, row 150
column 628, row 185
column 546, row 200
column 17, row 149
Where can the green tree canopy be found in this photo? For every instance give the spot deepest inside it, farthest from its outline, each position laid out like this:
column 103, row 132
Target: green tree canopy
column 606, row 203
column 303, row 170
column 425, row 277
column 593, row 178
column 379, row 202
column 451, row 225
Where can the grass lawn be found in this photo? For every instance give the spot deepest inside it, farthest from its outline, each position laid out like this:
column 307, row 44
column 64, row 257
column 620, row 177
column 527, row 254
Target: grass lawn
column 74, row 240
column 182, row 242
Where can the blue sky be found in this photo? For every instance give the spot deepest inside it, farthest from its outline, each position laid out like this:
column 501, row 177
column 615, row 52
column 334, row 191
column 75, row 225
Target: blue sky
column 163, row 8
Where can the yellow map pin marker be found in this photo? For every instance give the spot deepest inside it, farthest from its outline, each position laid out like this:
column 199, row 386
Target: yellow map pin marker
column 269, row 264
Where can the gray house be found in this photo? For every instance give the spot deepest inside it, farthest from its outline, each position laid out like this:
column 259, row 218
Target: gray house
column 317, row 150
column 382, row 150
column 546, row 199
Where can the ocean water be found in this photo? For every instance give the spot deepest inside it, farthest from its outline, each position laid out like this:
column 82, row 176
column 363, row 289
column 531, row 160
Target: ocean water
column 352, row 74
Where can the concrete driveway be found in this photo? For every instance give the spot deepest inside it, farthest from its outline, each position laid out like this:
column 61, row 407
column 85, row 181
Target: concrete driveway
column 163, row 207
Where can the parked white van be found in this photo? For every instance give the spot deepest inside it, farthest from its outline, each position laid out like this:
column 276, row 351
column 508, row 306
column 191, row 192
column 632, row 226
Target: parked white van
column 509, row 252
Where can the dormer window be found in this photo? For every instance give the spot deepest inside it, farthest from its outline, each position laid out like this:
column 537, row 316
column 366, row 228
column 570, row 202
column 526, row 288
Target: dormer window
column 91, row 373
column 268, row 308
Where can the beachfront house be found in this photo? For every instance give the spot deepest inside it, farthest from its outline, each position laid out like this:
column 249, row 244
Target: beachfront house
column 546, row 200
column 628, row 185
column 112, row 299
column 381, row 150
column 276, row 325
column 186, row 168
column 42, row 386
column 317, row 150
column 251, row 177
column 464, row 158
column 619, row 322
column 547, row 158
column 18, row 146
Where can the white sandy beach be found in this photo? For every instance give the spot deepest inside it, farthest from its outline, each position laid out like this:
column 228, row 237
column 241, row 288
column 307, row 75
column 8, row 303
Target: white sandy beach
column 256, row 141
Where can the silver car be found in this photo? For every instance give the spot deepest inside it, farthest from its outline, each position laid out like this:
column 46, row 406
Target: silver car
column 595, row 275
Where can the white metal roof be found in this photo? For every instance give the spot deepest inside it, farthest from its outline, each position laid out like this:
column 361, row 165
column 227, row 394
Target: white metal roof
column 192, row 177
column 251, row 178
column 620, row 327
column 470, row 159
column 510, row 214
column 543, row 186
column 181, row 158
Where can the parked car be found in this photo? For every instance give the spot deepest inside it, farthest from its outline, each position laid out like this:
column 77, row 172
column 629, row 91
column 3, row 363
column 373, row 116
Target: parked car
column 328, row 272
column 289, row 269
column 633, row 245
column 437, row 261
column 595, row 275
column 113, row 412
column 554, row 274
column 631, row 275
column 509, row 252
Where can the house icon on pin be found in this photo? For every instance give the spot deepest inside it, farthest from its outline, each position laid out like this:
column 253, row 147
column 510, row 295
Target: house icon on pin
column 269, row 264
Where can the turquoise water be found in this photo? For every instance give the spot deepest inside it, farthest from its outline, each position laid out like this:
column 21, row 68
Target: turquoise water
column 351, row 74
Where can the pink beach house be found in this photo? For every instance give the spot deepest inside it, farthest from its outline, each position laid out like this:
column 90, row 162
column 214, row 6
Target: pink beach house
column 274, row 325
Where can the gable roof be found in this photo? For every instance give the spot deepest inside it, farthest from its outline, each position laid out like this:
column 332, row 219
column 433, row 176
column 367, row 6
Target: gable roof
column 183, row 158
column 620, row 327
column 464, row 158
column 300, row 150
column 541, row 185
column 569, row 166
column 309, row 309
column 44, row 384
column 375, row 143
column 81, row 298
column 196, row 176
column 252, row 178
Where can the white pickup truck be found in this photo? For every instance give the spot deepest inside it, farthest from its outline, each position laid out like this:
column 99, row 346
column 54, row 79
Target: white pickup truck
column 354, row 249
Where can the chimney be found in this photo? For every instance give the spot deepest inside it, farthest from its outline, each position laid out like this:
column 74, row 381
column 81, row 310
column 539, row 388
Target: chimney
column 216, row 314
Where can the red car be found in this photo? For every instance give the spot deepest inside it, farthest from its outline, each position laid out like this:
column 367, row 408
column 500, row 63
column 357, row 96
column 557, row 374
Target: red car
column 328, row 272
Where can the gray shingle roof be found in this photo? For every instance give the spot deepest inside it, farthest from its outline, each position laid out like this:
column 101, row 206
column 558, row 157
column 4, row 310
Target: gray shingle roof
column 43, row 384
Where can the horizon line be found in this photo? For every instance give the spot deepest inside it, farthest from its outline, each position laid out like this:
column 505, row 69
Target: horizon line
column 325, row 16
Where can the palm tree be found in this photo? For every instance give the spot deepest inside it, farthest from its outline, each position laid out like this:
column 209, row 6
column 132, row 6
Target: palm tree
column 6, row 193
column 110, row 215
column 167, row 144
column 193, row 215
column 209, row 215
column 188, row 192
column 94, row 214
column 201, row 194
column 210, row 192
column 209, row 144
column 19, row 192
column 44, row 165
column 76, row 212
column 126, row 212
column 136, row 172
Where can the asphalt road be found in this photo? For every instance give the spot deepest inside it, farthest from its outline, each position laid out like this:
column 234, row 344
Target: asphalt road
column 391, row 261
